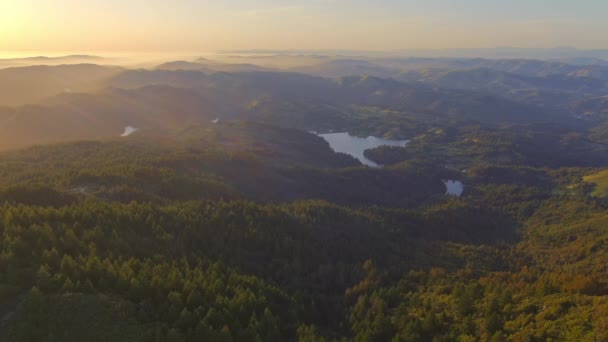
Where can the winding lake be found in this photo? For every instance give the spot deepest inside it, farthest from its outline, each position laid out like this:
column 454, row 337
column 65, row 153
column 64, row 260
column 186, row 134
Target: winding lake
column 355, row 146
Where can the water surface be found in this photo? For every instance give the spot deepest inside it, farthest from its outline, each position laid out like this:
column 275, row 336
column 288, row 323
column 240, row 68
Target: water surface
column 355, row 146
column 454, row 187
column 128, row 131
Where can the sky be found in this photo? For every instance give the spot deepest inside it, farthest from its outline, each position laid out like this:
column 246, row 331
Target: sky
column 380, row 25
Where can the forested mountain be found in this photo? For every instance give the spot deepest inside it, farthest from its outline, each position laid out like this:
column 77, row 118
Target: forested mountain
column 202, row 201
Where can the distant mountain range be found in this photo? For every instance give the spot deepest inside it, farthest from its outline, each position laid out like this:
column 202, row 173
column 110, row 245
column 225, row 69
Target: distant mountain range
column 46, row 60
column 202, row 64
column 496, row 53
column 165, row 100
column 46, row 103
column 55, row 58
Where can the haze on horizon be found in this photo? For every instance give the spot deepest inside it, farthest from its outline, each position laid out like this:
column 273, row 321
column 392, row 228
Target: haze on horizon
column 190, row 25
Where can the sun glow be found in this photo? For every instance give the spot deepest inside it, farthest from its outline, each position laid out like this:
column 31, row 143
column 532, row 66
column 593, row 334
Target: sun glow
column 204, row 25
column 13, row 22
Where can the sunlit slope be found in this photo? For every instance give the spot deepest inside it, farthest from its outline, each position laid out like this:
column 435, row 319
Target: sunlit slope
column 599, row 182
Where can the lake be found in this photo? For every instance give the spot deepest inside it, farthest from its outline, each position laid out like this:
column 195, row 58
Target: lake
column 355, row 146
column 128, row 131
column 454, row 187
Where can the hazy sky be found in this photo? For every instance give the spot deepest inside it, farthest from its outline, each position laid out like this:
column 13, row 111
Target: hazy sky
column 205, row 25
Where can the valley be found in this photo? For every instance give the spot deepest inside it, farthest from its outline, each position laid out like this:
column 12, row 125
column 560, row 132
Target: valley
column 304, row 198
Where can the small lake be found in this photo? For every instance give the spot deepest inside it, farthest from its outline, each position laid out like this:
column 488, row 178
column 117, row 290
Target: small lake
column 128, row 131
column 355, row 146
column 454, row 187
